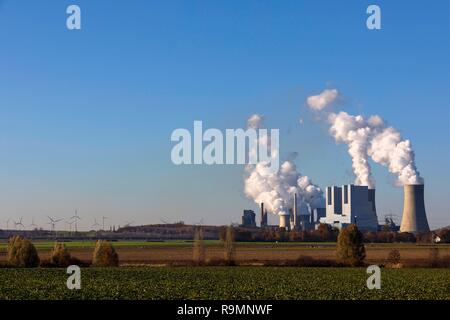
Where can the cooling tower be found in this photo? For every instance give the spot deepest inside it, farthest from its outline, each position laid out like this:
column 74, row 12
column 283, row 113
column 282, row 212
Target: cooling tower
column 414, row 218
column 284, row 221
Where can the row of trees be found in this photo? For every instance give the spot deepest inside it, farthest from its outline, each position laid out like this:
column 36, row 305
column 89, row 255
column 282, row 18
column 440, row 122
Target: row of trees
column 325, row 233
column 22, row 253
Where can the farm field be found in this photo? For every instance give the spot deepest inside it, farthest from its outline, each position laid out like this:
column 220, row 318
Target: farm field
column 225, row 283
column 155, row 252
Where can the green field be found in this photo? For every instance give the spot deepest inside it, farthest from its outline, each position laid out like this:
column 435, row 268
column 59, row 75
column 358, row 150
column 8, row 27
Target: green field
column 225, row 283
column 49, row 244
column 46, row 244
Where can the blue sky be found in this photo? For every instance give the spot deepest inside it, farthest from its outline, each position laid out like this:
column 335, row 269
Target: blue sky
column 86, row 116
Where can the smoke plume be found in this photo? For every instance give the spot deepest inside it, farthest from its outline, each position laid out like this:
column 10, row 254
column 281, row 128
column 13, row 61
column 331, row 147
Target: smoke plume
column 277, row 188
column 322, row 100
column 371, row 137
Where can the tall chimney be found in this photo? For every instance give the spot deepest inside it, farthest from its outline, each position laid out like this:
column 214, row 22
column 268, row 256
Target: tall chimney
column 295, row 211
column 414, row 217
column 262, row 215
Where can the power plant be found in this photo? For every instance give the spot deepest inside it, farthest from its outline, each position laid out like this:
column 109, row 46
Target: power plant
column 414, row 217
column 345, row 205
column 351, row 204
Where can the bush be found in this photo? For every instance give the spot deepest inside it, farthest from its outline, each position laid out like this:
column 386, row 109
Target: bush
column 104, row 255
column 350, row 248
column 21, row 253
column 60, row 256
column 198, row 255
column 394, row 257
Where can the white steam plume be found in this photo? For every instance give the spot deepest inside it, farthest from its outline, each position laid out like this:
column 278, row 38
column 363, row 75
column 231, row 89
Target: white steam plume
column 322, row 100
column 372, row 138
column 277, row 189
column 391, row 150
column 356, row 132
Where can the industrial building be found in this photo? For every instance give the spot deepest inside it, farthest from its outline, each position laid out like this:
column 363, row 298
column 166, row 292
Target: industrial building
column 351, row 204
column 248, row 218
column 300, row 217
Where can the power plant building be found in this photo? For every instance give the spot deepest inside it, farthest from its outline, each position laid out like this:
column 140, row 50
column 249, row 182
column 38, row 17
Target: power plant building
column 351, row 204
column 248, row 218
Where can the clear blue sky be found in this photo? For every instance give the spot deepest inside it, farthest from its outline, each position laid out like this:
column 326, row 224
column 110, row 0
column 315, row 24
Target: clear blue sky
column 86, row 116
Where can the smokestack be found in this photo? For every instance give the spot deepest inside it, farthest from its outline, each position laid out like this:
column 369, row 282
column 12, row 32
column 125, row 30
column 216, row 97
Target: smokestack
column 263, row 216
column 414, row 217
column 295, row 211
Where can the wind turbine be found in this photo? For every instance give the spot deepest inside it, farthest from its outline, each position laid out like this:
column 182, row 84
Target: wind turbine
column 96, row 224
column 103, row 222
column 70, row 224
column 19, row 223
column 52, row 222
column 75, row 218
column 7, row 223
column 33, row 224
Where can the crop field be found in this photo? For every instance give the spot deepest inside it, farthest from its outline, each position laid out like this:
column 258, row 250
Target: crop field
column 225, row 283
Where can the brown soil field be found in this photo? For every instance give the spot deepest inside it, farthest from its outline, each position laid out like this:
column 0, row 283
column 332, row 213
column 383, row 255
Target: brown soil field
column 251, row 253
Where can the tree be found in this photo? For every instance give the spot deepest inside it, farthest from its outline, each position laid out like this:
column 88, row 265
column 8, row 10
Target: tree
column 105, row 255
column 198, row 255
column 350, row 246
column 325, row 231
column 444, row 234
column 22, row 253
column 229, row 246
column 60, row 256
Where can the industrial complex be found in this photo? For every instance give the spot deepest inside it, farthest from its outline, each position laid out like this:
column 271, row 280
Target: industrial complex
column 344, row 205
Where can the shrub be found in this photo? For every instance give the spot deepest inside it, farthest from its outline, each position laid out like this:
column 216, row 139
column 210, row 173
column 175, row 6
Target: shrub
column 21, row 253
column 350, row 248
column 229, row 246
column 60, row 256
column 394, row 257
column 105, row 255
column 198, row 255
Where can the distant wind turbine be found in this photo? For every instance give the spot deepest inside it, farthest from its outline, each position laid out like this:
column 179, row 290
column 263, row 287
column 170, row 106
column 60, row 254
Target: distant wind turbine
column 103, row 222
column 76, row 217
column 96, row 224
column 19, row 223
column 33, row 224
column 53, row 222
